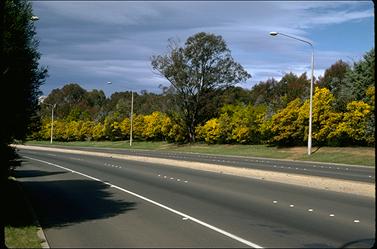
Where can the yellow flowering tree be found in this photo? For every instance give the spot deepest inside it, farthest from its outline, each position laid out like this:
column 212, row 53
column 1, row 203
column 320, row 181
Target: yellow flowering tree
column 210, row 131
column 353, row 127
column 284, row 126
column 153, row 126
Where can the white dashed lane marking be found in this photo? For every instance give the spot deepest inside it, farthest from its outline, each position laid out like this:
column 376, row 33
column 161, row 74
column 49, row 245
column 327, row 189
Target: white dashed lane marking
column 275, row 166
column 112, row 165
column 312, row 210
column 172, row 178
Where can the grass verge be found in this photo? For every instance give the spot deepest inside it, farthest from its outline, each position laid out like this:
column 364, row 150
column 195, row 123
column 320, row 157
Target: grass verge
column 20, row 230
column 346, row 155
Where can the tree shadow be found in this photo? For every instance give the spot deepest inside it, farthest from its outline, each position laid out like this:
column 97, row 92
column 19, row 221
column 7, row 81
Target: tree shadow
column 314, row 151
column 37, row 173
column 60, row 203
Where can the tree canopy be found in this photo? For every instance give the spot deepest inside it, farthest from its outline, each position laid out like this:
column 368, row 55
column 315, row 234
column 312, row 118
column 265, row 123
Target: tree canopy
column 203, row 65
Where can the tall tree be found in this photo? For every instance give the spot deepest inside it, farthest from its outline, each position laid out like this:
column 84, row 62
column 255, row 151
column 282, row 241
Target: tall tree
column 20, row 72
column 277, row 94
column 195, row 71
column 71, row 97
column 334, row 79
column 361, row 76
column 20, row 78
column 334, row 76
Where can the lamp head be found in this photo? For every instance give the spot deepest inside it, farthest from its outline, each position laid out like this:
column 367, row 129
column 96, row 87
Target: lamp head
column 34, row 18
column 274, row 33
column 41, row 99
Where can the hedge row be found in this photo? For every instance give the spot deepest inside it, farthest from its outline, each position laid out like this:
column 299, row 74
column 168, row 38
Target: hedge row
column 239, row 124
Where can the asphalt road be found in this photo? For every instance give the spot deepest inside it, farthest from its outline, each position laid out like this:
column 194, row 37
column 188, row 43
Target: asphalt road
column 89, row 201
column 338, row 171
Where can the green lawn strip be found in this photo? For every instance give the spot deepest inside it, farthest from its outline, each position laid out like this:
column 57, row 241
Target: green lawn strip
column 345, row 155
column 235, row 150
column 20, row 229
column 344, row 158
column 22, row 237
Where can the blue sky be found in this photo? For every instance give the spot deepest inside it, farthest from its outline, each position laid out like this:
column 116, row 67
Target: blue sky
column 93, row 42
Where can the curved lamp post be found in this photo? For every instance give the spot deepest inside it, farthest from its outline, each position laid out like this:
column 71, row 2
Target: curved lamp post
column 41, row 100
column 311, row 86
column 132, row 110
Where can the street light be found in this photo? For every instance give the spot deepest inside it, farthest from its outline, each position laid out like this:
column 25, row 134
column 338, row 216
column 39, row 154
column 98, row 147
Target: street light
column 311, row 87
column 132, row 111
column 41, row 100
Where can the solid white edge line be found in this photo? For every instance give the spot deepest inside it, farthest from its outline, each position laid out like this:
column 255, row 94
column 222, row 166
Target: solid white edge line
column 230, row 235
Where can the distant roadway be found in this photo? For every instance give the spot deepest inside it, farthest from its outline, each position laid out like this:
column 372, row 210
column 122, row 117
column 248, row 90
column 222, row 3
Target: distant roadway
column 93, row 201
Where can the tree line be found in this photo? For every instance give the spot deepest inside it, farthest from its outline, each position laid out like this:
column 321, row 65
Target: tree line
column 271, row 112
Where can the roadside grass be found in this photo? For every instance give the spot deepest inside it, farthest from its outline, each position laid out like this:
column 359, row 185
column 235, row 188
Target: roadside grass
column 20, row 230
column 22, row 237
column 344, row 155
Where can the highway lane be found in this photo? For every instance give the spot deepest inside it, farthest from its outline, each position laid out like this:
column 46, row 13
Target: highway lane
column 338, row 171
column 267, row 214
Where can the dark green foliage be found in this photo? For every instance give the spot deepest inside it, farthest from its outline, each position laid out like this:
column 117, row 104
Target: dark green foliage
column 20, row 74
column 74, row 102
column 334, row 76
column 356, row 81
column 277, row 94
column 335, row 80
column 361, row 76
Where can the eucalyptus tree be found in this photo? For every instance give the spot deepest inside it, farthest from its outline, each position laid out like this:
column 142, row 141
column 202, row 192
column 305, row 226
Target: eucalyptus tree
column 203, row 65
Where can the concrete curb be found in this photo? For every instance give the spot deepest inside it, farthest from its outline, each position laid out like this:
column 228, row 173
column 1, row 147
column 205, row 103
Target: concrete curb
column 40, row 233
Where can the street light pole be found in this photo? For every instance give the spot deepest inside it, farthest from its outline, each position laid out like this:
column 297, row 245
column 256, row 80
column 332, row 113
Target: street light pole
column 52, row 122
column 132, row 111
column 41, row 100
column 311, row 87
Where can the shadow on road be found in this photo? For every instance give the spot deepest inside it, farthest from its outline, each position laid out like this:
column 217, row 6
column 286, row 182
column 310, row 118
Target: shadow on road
column 15, row 211
column 37, row 173
column 59, row 203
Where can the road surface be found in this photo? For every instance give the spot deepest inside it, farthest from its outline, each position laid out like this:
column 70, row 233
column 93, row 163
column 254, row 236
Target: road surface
column 90, row 201
column 338, row 171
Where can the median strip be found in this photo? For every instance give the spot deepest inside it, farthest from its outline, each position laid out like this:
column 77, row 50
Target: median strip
column 324, row 183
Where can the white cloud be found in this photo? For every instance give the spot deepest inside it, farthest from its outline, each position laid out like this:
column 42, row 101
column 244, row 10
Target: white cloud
column 93, row 41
